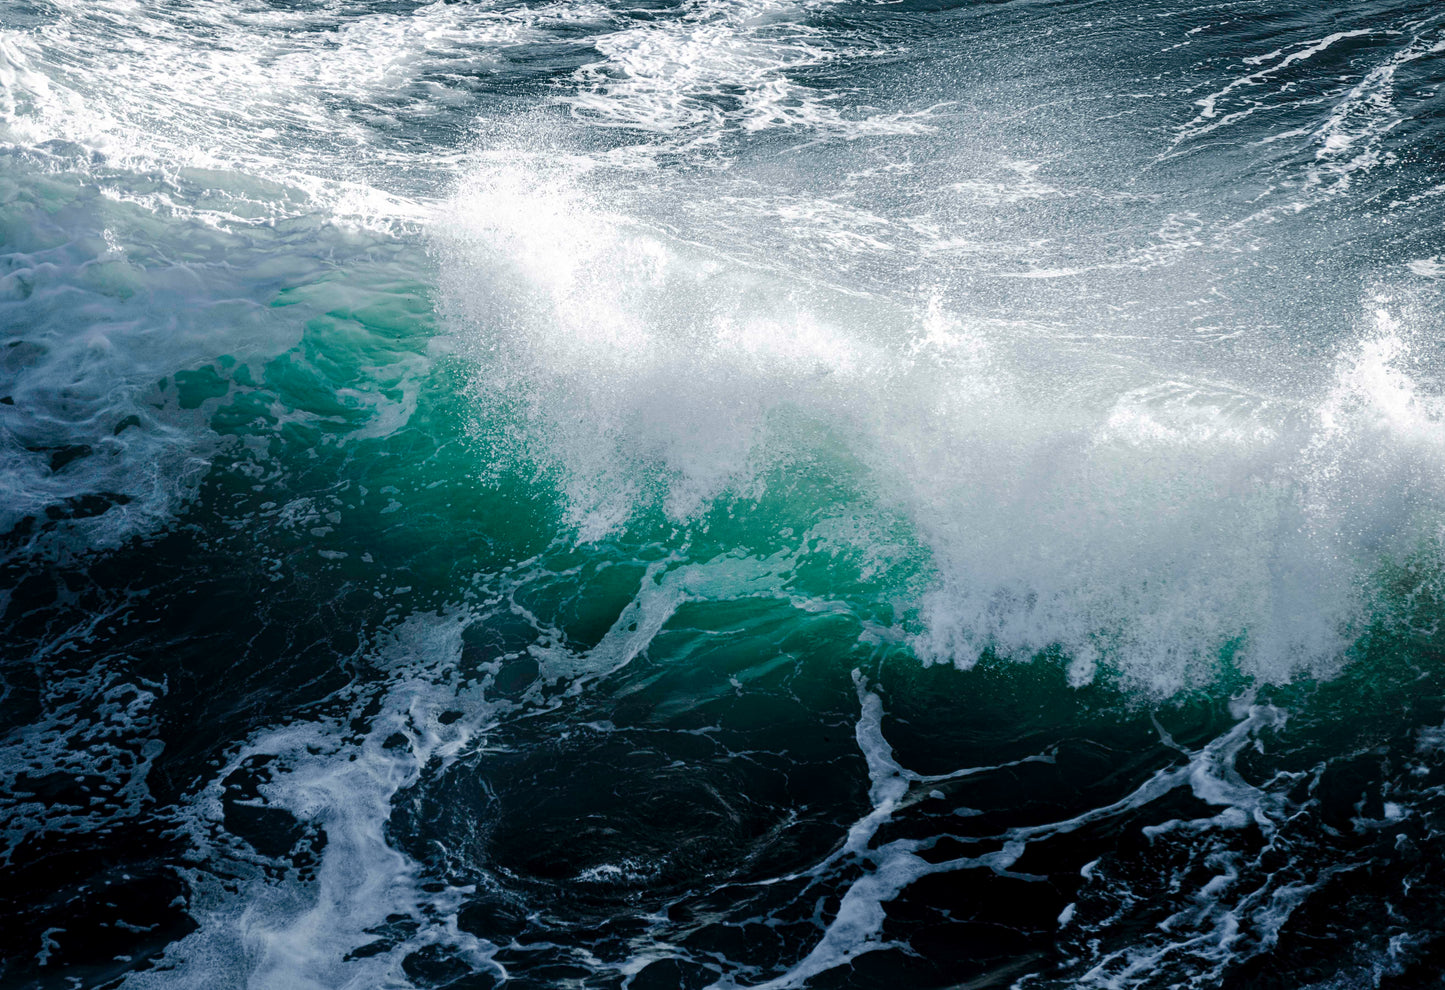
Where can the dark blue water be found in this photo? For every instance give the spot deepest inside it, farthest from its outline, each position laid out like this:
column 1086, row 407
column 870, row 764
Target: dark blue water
column 721, row 494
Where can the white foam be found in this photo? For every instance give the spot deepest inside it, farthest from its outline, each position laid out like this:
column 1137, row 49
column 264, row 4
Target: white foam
column 303, row 97
column 79, row 388
column 1353, row 122
column 142, row 146
column 1350, row 140
column 279, row 931
column 96, row 729
column 889, row 868
column 722, row 65
column 1152, row 520
column 1209, row 105
column 106, row 309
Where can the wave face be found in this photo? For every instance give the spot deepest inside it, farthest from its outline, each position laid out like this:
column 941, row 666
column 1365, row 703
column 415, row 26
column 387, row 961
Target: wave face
column 721, row 493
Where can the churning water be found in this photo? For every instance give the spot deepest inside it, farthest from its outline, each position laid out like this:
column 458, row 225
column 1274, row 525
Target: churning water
column 722, row 493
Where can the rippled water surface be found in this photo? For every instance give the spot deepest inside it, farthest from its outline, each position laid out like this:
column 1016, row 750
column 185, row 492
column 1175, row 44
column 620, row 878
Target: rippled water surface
column 723, row 493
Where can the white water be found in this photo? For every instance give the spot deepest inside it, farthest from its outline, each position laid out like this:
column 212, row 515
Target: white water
column 1141, row 481
column 1158, row 394
column 1121, row 508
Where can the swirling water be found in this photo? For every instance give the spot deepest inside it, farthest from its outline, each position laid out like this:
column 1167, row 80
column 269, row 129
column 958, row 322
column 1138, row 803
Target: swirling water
column 721, row 493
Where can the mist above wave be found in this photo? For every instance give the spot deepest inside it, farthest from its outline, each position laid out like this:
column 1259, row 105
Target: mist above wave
column 1125, row 412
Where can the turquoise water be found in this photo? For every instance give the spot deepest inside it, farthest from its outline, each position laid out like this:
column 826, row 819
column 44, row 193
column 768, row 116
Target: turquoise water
column 720, row 495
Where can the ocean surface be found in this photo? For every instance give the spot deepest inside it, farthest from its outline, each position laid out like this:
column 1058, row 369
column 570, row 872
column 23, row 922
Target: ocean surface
column 679, row 494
